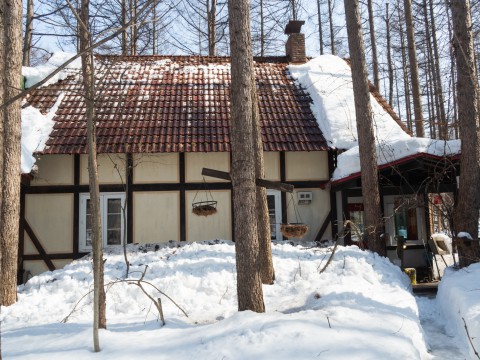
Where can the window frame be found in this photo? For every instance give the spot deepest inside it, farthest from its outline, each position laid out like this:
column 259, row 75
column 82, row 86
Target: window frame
column 278, row 213
column 104, row 197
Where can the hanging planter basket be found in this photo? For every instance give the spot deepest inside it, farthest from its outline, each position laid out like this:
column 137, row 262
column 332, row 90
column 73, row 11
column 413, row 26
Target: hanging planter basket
column 294, row 230
column 204, row 208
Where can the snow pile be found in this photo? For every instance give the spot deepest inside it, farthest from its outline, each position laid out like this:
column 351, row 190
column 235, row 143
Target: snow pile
column 459, row 300
column 360, row 307
column 387, row 152
column 328, row 80
column 36, row 129
column 36, row 74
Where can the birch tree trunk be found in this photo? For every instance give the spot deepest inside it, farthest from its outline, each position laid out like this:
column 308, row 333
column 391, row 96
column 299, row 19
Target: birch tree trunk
column 88, row 72
column 468, row 202
column 249, row 285
column 412, row 57
column 27, row 42
column 10, row 186
column 366, row 138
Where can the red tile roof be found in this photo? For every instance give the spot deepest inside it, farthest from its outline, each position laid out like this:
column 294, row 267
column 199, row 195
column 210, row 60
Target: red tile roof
column 176, row 104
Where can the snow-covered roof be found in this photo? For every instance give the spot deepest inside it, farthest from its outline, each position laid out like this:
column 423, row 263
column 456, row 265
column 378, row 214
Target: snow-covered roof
column 328, row 80
column 348, row 163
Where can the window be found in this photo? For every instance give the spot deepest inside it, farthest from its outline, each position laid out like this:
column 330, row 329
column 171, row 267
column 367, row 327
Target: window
column 404, row 216
column 357, row 217
column 111, row 205
column 275, row 213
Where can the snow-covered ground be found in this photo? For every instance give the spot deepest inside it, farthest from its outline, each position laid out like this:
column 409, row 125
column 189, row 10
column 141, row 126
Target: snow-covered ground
column 459, row 301
column 361, row 307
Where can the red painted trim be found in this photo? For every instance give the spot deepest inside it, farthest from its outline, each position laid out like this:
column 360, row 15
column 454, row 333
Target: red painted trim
column 393, row 163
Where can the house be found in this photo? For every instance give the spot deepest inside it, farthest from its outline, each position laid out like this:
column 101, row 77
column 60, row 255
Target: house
column 160, row 120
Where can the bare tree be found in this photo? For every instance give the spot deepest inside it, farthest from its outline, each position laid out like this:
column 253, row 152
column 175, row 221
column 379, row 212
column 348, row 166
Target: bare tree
column 88, row 72
column 389, row 57
column 249, row 285
column 468, row 202
column 412, row 57
column 27, row 42
column 320, row 29
column 332, row 33
column 376, row 77
column 10, row 186
column 366, row 138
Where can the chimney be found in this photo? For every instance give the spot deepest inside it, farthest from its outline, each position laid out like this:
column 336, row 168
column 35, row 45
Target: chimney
column 295, row 46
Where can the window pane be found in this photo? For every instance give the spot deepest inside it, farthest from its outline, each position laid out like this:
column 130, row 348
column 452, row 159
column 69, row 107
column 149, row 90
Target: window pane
column 88, row 225
column 271, row 213
column 114, row 237
column 114, row 206
column 114, row 221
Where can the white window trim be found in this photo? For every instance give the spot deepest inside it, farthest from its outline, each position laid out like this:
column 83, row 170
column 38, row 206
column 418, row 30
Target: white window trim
column 278, row 212
column 82, row 247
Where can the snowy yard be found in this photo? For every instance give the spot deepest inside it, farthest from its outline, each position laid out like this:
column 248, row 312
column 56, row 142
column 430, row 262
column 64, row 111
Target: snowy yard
column 361, row 307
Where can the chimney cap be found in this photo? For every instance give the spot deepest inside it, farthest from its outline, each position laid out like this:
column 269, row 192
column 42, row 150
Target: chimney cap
column 294, row 27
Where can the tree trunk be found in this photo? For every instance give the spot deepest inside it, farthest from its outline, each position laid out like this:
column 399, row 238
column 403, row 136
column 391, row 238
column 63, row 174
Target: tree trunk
column 406, row 83
column 430, row 75
column 376, row 77
column 389, row 58
column 366, row 137
column 124, row 31
column 212, row 28
column 27, row 43
column 320, row 30
column 452, row 74
column 412, row 57
column 438, row 80
column 468, row 202
column 249, row 285
column 154, row 29
column 265, row 262
column 88, row 72
column 10, row 211
column 262, row 31
column 330, row 19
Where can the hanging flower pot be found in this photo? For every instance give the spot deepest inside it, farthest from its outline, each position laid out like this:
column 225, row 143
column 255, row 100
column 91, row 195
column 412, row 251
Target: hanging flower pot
column 294, row 230
column 204, row 208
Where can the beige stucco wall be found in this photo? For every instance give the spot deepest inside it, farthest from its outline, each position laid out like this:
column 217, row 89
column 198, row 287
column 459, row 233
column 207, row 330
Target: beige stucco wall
column 303, row 165
column 216, row 226
column 54, row 170
column 272, row 165
column 51, row 218
column 107, row 172
column 155, row 168
column 313, row 214
column 194, row 162
column 156, row 216
column 35, row 267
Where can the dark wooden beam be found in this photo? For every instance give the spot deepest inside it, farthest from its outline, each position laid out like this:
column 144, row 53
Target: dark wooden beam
column 283, row 195
column 260, row 182
column 129, row 179
column 38, row 246
column 21, row 238
column 76, row 203
column 183, row 201
column 325, row 224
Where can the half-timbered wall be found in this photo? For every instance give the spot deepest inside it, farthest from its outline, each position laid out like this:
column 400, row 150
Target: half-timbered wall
column 161, row 189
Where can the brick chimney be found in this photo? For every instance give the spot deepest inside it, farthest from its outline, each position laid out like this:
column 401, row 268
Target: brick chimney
column 295, row 46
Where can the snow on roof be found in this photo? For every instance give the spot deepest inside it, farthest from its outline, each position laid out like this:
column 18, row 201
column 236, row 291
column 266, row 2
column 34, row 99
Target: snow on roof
column 328, row 79
column 36, row 128
column 348, row 163
column 36, row 74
